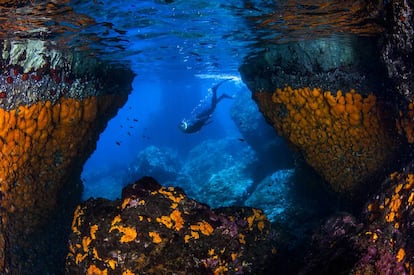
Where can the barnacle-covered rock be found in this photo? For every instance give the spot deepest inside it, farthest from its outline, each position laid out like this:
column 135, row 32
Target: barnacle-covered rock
column 333, row 63
column 159, row 230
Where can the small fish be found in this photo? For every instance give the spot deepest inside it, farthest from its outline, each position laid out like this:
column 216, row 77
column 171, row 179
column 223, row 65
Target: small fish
column 136, row 120
column 118, row 143
column 129, row 134
column 196, row 54
column 241, row 139
column 250, row 6
column 120, row 31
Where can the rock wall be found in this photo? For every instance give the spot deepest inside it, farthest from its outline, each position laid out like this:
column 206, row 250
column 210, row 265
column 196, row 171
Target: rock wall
column 327, row 97
column 376, row 241
column 342, row 113
column 53, row 105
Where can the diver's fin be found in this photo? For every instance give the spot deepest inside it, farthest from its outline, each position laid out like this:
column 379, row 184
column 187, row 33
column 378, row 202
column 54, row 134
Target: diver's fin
column 224, row 96
column 215, row 87
column 208, row 121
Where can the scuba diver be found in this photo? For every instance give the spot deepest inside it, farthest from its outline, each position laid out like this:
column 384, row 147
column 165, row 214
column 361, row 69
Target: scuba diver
column 199, row 119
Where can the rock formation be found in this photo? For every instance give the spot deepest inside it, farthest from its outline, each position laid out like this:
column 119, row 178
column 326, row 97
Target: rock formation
column 53, row 105
column 159, row 230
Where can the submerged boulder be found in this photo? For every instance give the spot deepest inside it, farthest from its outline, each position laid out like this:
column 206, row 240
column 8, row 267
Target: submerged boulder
column 272, row 194
column 226, row 187
column 162, row 163
column 251, row 124
column 336, row 97
column 159, row 230
column 219, row 172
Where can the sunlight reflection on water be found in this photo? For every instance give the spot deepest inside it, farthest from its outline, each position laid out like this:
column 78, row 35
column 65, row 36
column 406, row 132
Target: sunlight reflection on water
column 201, row 36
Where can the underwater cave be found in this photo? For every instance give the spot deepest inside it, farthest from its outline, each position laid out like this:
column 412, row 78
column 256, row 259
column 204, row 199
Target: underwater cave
column 193, row 137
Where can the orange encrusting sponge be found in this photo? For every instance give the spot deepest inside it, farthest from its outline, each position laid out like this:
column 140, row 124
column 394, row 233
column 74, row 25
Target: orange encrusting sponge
column 38, row 143
column 392, row 211
column 342, row 136
column 405, row 124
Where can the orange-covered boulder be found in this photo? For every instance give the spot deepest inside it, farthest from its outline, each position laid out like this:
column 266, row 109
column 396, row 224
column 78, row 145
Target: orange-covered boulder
column 159, row 230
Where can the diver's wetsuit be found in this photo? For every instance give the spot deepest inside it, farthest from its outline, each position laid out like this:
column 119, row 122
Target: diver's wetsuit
column 200, row 119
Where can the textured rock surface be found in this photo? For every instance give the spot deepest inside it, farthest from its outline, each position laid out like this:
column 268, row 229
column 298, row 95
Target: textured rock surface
column 222, row 180
column 159, row 230
column 380, row 242
column 323, row 97
column 162, row 163
column 335, row 63
column 346, row 138
column 397, row 54
column 53, row 105
column 268, row 146
column 251, row 124
column 398, row 47
column 272, row 194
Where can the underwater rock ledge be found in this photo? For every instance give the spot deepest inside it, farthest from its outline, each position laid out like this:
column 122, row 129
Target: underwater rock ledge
column 159, row 230
column 365, row 119
column 344, row 101
column 53, row 106
column 326, row 98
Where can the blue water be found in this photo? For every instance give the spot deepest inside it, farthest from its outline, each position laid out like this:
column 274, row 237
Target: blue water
column 178, row 50
column 151, row 117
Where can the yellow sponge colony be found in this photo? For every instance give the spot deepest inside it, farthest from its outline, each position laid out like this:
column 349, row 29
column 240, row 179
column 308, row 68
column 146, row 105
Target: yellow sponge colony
column 405, row 124
column 38, row 145
column 343, row 136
